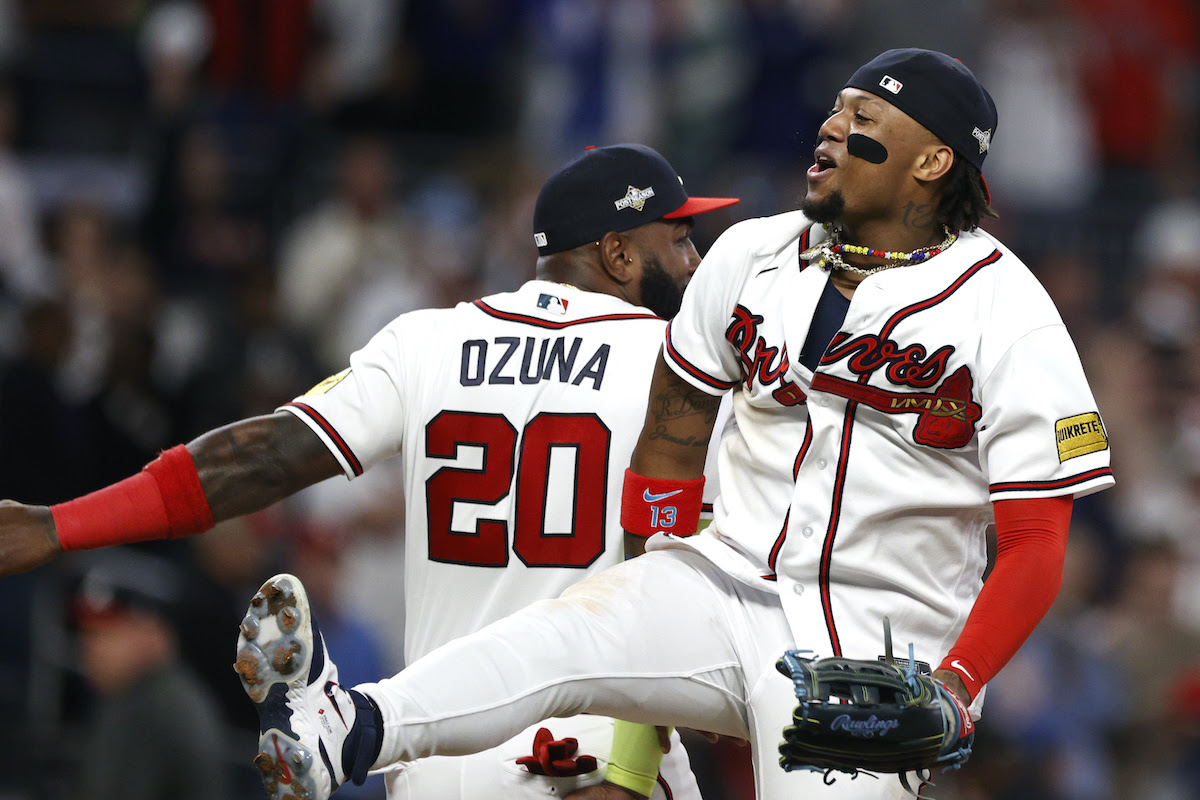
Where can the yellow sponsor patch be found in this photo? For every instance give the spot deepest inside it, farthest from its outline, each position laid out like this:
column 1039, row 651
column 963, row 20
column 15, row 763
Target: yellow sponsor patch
column 327, row 384
column 1080, row 435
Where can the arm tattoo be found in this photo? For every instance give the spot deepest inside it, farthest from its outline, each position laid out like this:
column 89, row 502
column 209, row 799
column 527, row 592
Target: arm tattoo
column 680, row 400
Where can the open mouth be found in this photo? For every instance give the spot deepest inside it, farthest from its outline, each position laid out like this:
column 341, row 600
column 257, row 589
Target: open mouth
column 822, row 166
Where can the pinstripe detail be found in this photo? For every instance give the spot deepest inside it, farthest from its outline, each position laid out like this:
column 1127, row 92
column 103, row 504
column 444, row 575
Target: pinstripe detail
column 851, row 406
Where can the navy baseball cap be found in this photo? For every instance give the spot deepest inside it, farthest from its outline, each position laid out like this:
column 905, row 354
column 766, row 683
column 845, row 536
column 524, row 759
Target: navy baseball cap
column 612, row 188
column 937, row 91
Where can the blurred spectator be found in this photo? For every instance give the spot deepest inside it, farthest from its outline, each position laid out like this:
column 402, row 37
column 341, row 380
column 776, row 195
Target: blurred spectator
column 1137, row 60
column 953, row 27
column 154, row 732
column 1041, row 174
column 259, row 47
column 705, row 73
column 1157, row 652
column 175, row 39
column 82, row 245
column 786, row 96
column 1167, row 301
column 355, row 246
column 353, row 62
column 1061, row 699
column 25, row 273
column 226, row 566
column 590, row 76
column 83, row 87
column 462, row 53
column 212, row 233
column 40, row 422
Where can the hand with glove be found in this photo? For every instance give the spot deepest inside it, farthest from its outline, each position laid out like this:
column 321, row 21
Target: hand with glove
column 872, row 716
column 556, row 758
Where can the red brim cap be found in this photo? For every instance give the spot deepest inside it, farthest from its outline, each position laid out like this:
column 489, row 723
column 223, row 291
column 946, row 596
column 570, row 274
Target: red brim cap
column 701, row 205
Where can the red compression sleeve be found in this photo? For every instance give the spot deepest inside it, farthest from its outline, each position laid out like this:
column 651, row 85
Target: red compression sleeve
column 1031, row 543
column 650, row 505
column 164, row 500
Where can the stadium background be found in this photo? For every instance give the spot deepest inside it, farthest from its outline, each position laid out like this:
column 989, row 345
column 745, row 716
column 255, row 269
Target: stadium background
column 205, row 206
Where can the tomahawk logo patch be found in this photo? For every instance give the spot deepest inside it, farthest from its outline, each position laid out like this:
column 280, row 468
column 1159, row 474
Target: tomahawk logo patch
column 1079, row 435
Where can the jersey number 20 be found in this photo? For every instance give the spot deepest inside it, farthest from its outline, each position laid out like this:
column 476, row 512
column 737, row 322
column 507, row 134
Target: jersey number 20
column 488, row 544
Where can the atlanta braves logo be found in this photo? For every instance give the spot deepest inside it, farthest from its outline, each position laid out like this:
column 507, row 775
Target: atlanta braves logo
column 767, row 363
column 946, row 417
column 906, row 366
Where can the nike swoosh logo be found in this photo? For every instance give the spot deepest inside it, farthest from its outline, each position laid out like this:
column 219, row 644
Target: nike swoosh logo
column 654, row 498
column 286, row 776
column 329, row 693
column 958, row 665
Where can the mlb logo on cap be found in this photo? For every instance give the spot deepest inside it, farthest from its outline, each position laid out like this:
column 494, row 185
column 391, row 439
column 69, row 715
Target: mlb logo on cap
column 555, row 305
column 891, row 84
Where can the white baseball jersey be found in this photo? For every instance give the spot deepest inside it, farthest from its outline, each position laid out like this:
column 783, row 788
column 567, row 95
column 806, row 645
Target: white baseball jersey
column 515, row 416
column 864, row 489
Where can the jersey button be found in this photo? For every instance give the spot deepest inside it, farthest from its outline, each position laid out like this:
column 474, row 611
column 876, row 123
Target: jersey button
column 807, row 531
column 822, row 463
column 798, row 588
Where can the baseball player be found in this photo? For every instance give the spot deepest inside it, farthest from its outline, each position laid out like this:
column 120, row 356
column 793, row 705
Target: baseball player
column 901, row 383
column 515, row 416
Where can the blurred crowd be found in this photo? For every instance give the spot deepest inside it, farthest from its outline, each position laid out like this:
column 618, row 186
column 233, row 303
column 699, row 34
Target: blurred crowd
column 206, row 205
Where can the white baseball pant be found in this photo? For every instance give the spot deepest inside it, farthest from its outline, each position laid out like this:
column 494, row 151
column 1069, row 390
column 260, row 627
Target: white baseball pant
column 665, row 638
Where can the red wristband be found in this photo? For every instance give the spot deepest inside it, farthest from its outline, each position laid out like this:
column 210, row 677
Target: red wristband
column 163, row 501
column 650, row 505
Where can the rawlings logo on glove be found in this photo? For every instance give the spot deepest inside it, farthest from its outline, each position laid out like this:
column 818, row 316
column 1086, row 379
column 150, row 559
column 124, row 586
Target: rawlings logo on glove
column 871, row 716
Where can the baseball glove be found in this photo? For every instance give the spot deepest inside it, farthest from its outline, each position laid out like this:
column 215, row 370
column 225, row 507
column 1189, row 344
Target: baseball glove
column 871, row 716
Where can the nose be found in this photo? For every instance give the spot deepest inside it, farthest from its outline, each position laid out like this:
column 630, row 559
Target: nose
column 693, row 258
column 833, row 128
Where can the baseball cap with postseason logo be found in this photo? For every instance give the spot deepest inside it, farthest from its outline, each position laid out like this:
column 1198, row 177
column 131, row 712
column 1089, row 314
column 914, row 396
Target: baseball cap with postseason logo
column 613, row 188
column 937, row 91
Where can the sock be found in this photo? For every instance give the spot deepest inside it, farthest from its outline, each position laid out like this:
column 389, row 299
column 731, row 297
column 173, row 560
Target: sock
column 365, row 740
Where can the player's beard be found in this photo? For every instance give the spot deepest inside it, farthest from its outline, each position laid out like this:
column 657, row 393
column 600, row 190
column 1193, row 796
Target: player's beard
column 661, row 293
column 825, row 211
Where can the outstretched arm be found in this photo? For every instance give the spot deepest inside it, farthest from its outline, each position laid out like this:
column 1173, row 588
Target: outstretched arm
column 674, row 439
column 251, row 464
column 241, row 468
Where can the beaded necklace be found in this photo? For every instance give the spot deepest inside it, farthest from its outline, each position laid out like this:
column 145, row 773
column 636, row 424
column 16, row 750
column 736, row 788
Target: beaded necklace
column 831, row 249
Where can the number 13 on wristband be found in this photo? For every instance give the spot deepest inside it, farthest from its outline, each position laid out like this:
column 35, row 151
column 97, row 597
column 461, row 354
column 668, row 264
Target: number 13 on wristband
column 651, row 505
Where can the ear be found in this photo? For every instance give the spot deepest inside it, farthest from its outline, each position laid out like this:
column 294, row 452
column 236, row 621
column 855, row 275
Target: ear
column 933, row 162
column 617, row 257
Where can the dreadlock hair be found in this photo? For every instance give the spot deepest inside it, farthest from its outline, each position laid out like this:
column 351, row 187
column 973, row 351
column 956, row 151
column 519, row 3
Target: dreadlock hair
column 964, row 200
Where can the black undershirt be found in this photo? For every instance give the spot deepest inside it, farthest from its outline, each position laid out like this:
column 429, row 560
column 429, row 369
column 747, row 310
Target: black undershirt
column 827, row 320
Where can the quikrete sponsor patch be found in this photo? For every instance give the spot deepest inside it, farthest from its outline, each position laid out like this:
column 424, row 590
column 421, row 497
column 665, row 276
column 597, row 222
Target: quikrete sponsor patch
column 1080, row 435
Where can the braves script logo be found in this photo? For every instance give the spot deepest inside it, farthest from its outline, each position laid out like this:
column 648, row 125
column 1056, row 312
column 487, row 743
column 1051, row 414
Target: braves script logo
column 947, row 416
column 766, row 363
column 866, row 728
